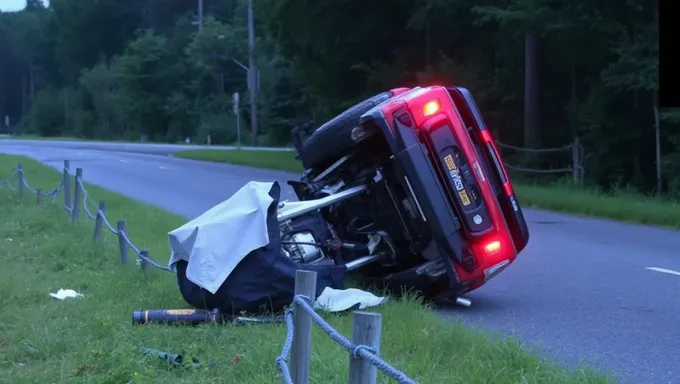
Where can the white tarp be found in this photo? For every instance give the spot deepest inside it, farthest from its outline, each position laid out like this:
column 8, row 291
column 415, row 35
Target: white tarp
column 216, row 241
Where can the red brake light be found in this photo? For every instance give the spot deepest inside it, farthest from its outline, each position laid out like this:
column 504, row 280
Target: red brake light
column 492, row 247
column 430, row 108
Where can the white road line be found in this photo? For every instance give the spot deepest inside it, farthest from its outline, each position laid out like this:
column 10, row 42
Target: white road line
column 162, row 167
column 663, row 270
column 123, row 161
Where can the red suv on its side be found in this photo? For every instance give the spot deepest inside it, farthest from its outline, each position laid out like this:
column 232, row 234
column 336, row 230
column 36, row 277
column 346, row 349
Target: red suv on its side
column 472, row 209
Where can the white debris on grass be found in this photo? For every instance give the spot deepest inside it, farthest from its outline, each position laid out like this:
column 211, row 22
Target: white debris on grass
column 338, row 300
column 65, row 294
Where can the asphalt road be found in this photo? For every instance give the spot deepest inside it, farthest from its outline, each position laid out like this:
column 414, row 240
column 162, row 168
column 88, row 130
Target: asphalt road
column 582, row 289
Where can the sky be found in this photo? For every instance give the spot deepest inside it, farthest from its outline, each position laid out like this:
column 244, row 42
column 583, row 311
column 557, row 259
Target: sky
column 13, row 5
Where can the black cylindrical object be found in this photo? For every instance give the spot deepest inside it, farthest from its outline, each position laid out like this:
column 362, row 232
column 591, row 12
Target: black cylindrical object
column 173, row 316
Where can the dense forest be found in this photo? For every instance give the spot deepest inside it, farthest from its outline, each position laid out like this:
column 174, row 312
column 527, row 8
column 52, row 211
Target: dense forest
column 544, row 72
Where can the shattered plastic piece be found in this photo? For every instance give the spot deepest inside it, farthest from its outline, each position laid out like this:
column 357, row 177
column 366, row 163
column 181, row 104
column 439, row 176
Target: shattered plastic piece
column 338, row 300
column 65, row 294
column 176, row 359
column 373, row 242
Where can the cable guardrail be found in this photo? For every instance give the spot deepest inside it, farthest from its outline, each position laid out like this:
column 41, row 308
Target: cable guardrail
column 82, row 199
column 363, row 349
column 575, row 168
column 8, row 182
column 536, row 150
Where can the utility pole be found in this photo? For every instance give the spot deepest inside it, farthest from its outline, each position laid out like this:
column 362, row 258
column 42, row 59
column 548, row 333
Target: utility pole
column 252, row 72
column 237, row 112
column 200, row 15
column 657, row 129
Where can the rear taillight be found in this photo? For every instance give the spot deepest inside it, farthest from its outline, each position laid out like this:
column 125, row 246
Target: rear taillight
column 430, row 108
column 492, row 247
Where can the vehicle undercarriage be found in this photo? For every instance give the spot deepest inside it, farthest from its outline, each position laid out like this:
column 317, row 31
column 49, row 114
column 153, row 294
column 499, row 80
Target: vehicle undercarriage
column 372, row 232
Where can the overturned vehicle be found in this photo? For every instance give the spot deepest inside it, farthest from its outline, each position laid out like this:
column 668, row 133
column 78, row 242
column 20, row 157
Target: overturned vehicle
column 405, row 190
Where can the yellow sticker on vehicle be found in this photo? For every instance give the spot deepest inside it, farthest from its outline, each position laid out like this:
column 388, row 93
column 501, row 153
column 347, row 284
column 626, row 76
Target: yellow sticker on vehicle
column 464, row 198
column 449, row 162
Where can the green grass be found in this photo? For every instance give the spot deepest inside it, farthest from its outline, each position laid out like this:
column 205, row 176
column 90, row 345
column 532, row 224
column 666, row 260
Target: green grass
column 560, row 197
column 91, row 339
column 280, row 160
column 67, row 138
column 620, row 205
column 38, row 137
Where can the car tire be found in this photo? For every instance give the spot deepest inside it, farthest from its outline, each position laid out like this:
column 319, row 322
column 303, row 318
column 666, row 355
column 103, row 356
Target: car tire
column 334, row 139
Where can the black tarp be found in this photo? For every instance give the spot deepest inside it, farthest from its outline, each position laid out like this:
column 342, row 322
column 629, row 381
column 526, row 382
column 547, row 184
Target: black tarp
column 264, row 281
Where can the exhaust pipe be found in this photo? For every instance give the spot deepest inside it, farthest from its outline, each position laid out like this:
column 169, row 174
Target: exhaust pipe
column 463, row 302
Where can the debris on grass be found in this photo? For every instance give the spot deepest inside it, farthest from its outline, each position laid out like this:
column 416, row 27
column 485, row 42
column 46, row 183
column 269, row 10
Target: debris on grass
column 93, row 340
column 63, row 294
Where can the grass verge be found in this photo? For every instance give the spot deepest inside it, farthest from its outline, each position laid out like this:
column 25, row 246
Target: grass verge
column 279, row 160
column 44, row 138
column 622, row 206
column 69, row 138
column 91, row 339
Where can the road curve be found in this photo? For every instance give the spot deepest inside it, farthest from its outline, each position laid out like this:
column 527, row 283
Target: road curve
column 584, row 289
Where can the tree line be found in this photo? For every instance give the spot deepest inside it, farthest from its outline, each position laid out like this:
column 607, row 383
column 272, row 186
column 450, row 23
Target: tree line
column 543, row 72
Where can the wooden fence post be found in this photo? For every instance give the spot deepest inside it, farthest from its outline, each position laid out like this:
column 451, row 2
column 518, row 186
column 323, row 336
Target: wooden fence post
column 38, row 196
column 580, row 162
column 20, row 179
column 99, row 219
column 121, row 227
column 67, row 184
column 305, row 284
column 75, row 209
column 366, row 331
column 143, row 263
column 575, row 156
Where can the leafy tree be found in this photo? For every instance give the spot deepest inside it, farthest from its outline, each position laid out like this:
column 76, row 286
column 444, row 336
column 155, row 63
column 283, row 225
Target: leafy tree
column 144, row 75
column 105, row 68
column 99, row 87
column 47, row 114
